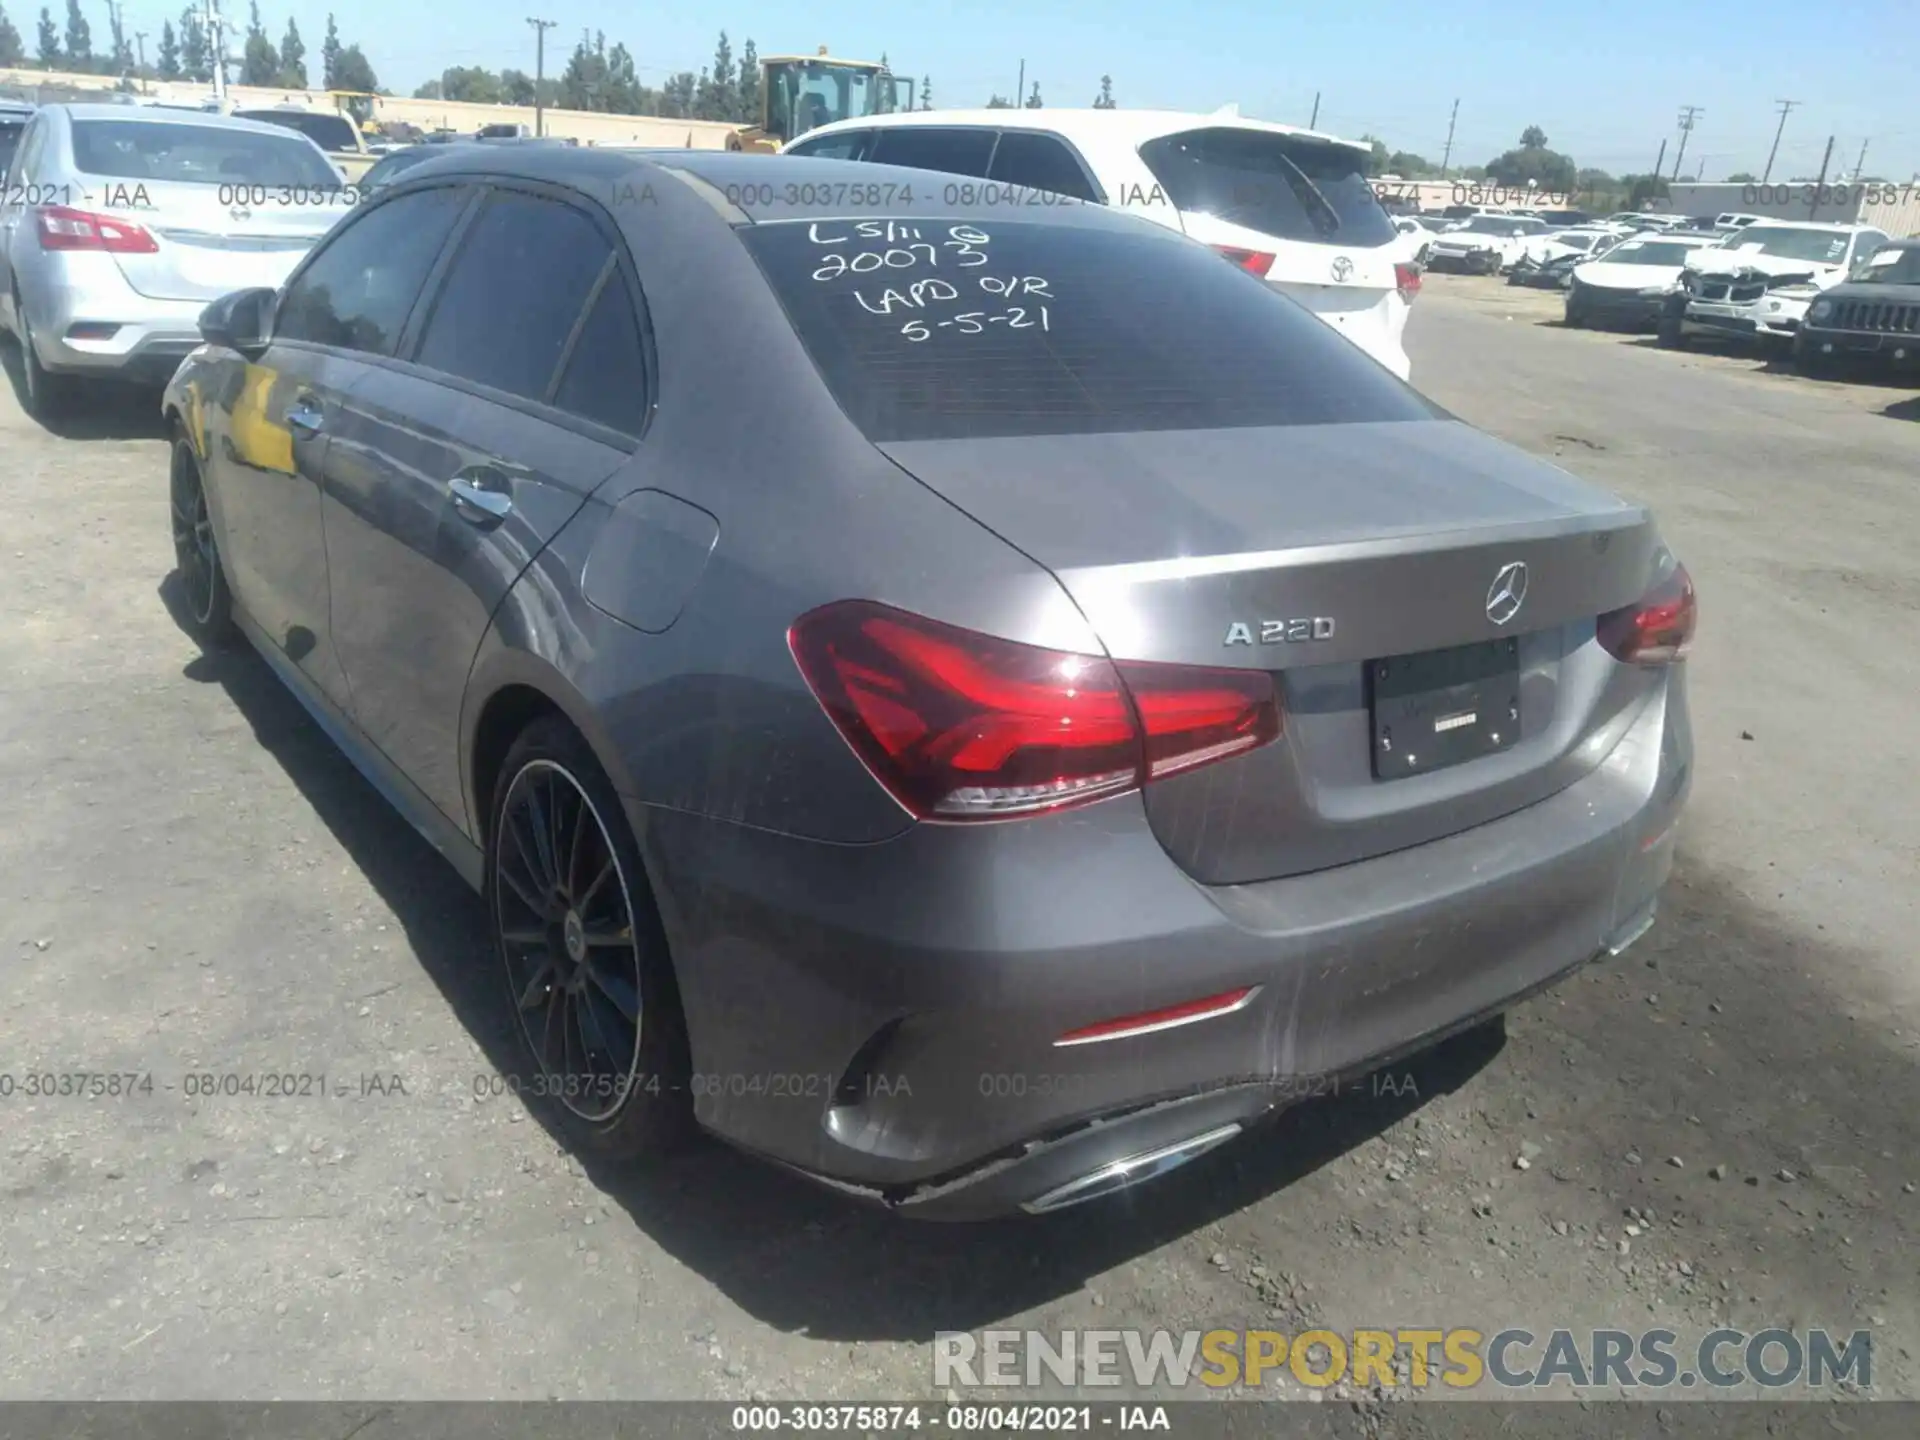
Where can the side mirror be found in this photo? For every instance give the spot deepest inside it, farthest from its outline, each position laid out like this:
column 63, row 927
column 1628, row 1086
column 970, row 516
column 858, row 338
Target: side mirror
column 239, row 321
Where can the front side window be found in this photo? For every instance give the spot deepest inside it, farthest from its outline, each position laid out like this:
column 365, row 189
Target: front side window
column 514, row 293
column 845, row 145
column 183, row 152
column 357, row 292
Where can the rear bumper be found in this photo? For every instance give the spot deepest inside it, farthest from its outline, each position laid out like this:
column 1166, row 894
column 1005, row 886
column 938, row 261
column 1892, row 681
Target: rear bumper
column 146, row 341
column 884, row 1017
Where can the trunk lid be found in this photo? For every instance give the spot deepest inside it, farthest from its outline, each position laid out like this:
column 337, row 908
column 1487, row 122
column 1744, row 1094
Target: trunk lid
column 1366, row 542
column 209, row 240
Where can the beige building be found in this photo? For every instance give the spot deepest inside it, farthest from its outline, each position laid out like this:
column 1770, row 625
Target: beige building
column 588, row 128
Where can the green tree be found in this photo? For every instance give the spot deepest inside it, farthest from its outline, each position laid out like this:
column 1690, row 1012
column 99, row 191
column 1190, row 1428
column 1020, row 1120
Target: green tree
column 747, row 106
column 330, row 58
column 1642, row 188
column 259, row 61
column 13, row 50
column 1377, row 154
column 194, row 62
column 677, row 96
column 122, row 54
column 926, row 92
column 79, row 38
column 429, row 90
column 293, row 58
column 468, row 82
column 585, row 74
column 1409, row 166
column 999, row 102
column 719, row 85
column 1034, row 102
column 625, row 94
column 1104, row 100
column 1533, row 161
column 49, row 41
column 352, row 72
column 1743, row 177
column 169, row 57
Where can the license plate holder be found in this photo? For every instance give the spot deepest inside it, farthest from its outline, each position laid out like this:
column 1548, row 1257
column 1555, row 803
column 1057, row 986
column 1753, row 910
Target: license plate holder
column 1443, row 707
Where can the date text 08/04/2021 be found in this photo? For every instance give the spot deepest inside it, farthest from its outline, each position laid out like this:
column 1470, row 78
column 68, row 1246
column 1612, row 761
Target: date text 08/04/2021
column 956, row 1418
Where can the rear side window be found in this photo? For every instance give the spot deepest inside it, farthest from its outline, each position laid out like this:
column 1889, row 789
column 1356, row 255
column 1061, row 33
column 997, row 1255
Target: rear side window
column 1288, row 186
column 606, row 375
column 358, row 291
column 329, row 132
column 204, row 154
column 10, row 132
column 934, row 329
column 513, row 293
column 1040, row 162
column 929, row 147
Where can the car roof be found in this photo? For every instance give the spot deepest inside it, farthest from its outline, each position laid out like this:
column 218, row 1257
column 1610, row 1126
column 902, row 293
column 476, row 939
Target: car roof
column 1833, row 226
column 157, row 115
column 1134, row 127
column 748, row 188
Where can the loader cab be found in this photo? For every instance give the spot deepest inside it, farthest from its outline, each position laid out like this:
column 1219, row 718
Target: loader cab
column 801, row 93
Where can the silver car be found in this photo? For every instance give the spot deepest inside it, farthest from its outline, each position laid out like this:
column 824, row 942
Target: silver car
column 118, row 224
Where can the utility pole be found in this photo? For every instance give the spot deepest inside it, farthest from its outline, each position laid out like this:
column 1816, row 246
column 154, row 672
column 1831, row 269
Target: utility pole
column 1813, row 204
column 215, row 24
column 1447, row 154
column 1786, row 107
column 1861, row 163
column 540, row 28
column 140, row 39
column 1314, row 120
column 1688, row 115
column 113, row 27
column 1660, row 161
column 1020, row 90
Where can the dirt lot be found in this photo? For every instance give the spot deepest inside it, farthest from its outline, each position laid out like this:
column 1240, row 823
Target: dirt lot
column 192, row 880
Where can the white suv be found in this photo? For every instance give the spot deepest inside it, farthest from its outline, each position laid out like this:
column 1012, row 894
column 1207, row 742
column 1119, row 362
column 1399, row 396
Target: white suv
column 1292, row 206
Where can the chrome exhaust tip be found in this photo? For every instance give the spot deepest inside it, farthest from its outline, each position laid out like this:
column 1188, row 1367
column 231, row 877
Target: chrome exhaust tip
column 1119, row 1174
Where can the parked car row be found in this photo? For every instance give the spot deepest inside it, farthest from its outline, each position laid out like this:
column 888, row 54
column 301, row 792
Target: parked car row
column 800, row 627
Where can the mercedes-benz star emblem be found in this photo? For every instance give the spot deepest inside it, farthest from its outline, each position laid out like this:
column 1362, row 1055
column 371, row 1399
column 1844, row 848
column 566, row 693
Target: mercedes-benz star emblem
column 1343, row 269
column 1508, row 592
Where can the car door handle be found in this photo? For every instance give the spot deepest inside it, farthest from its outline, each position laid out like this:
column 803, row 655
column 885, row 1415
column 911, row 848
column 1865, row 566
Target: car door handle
column 303, row 415
column 476, row 502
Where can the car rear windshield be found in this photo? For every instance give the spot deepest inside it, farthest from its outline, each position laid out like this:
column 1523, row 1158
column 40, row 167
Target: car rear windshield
column 934, row 329
column 1291, row 187
column 205, row 154
column 329, row 132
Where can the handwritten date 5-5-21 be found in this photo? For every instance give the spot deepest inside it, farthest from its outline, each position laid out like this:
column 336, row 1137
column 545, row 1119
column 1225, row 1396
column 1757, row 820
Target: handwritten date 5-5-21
column 975, row 322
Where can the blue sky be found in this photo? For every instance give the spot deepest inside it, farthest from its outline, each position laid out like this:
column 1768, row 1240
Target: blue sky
column 1605, row 80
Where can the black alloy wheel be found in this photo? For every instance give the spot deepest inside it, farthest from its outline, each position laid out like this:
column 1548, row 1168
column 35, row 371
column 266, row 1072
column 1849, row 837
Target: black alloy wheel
column 196, row 554
column 582, row 949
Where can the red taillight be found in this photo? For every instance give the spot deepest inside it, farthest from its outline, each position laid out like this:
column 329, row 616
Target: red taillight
column 63, row 228
column 1406, row 279
column 1254, row 262
column 961, row 726
column 1656, row 630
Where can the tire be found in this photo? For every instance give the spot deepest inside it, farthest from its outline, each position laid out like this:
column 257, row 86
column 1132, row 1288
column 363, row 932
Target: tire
column 1576, row 317
column 48, row 396
column 1669, row 334
column 582, row 952
column 196, row 552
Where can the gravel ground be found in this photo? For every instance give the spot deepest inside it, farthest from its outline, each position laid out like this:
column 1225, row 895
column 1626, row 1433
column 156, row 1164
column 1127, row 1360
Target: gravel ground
column 1721, row 1125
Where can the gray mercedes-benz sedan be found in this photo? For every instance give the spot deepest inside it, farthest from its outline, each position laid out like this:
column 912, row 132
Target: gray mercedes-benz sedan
column 976, row 703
